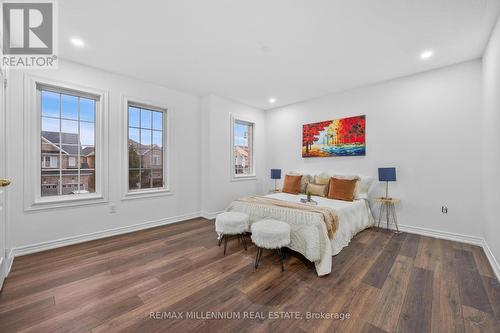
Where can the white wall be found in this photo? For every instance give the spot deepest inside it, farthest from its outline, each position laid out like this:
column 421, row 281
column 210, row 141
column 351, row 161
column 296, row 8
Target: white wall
column 48, row 225
column 426, row 125
column 491, row 140
column 218, row 189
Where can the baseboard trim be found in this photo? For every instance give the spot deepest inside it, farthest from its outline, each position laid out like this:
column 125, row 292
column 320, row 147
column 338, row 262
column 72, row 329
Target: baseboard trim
column 10, row 261
column 43, row 246
column 491, row 258
column 3, row 272
column 474, row 240
column 210, row 215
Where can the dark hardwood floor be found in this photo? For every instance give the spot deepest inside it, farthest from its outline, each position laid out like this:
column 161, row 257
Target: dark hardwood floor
column 385, row 282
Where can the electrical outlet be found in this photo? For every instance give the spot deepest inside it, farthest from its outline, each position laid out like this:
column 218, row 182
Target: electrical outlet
column 112, row 208
column 444, row 209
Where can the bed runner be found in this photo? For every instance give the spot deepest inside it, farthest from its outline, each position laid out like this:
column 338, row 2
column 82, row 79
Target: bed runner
column 328, row 214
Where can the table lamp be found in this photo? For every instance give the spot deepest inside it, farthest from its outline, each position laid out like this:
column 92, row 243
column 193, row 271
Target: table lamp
column 387, row 175
column 275, row 174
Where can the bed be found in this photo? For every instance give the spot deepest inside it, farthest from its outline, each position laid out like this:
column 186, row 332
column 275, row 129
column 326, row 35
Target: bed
column 309, row 234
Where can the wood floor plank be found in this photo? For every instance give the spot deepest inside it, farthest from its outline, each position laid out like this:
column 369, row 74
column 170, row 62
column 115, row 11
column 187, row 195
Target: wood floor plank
column 25, row 316
column 417, row 307
column 94, row 311
column 472, row 291
column 429, row 253
column 410, row 246
column 447, row 313
column 112, row 285
column 380, row 269
column 477, row 321
column 362, row 299
column 482, row 263
column 492, row 288
column 365, row 236
column 369, row 328
column 387, row 307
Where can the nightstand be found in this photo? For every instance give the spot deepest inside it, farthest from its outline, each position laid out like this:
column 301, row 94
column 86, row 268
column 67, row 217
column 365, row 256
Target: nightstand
column 388, row 204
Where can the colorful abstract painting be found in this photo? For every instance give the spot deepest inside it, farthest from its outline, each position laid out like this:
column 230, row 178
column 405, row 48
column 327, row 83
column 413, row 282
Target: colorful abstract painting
column 340, row 137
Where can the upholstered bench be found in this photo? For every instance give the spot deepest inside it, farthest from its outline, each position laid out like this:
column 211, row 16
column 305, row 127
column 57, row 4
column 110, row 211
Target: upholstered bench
column 229, row 224
column 272, row 235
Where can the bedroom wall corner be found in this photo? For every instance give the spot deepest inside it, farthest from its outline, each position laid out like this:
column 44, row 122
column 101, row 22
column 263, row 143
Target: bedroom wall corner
column 205, row 166
column 490, row 144
column 218, row 189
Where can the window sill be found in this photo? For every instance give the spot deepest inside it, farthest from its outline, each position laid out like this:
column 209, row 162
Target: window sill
column 139, row 194
column 243, row 178
column 65, row 202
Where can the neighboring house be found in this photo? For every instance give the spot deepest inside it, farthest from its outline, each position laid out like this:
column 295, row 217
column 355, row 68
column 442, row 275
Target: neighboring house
column 146, row 165
column 241, row 160
column 66, row 166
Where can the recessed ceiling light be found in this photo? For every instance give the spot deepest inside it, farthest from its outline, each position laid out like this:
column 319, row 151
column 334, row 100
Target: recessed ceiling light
column 426, row 54
column 77, row 42
column 272, row 100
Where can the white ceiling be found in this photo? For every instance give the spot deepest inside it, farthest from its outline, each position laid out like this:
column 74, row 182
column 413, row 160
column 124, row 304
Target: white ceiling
column 293, row 50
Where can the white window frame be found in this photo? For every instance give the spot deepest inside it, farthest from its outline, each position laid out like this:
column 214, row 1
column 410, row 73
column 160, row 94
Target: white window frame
column 252, row 176
column 167, row 148
column 32, row 152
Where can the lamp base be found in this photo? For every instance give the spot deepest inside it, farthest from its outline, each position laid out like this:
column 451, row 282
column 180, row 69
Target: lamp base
column 387, row 191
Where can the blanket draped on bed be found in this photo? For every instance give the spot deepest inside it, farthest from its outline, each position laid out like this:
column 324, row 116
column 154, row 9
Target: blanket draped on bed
column 328, row 214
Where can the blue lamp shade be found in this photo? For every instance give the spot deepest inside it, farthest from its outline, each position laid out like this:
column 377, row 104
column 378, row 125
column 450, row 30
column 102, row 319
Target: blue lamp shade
column 275, row 173
column 387, row 174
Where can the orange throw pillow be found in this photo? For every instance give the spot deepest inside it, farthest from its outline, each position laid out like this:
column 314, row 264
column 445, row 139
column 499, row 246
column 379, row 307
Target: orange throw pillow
column 292, row 184
column 341, row 189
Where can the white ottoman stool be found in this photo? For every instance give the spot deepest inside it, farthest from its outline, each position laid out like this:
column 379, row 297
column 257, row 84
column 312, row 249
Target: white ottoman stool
column 270, row 234
column 231, row 224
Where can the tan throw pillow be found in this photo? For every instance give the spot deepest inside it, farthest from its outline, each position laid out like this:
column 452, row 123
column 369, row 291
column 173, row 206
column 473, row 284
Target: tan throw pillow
column 319, row 190
column 341, row 189
column 292, row 184
column 304, row 180
column 321, row 180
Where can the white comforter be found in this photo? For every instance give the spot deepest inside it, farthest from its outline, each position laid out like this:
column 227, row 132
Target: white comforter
column 308, row 231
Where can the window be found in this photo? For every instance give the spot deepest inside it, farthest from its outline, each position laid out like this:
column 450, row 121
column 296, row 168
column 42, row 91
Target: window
column 146, row 148
column 242, row 162
column 50, row 161
column 67, row 142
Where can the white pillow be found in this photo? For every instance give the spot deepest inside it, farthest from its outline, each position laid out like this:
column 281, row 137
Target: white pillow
column 362, row 187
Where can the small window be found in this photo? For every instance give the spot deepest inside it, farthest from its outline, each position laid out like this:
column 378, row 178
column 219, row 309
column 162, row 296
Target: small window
column 146, row 148
column 50, row 162
column 67, row 142
column 243, row 148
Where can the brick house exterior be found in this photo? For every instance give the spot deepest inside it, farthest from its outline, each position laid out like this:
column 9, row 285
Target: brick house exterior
column 61, row 159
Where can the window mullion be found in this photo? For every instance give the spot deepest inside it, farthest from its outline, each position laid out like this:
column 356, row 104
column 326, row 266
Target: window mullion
column 140, row 148
column 59, row 191
column 152, row 153
column 79, row 142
